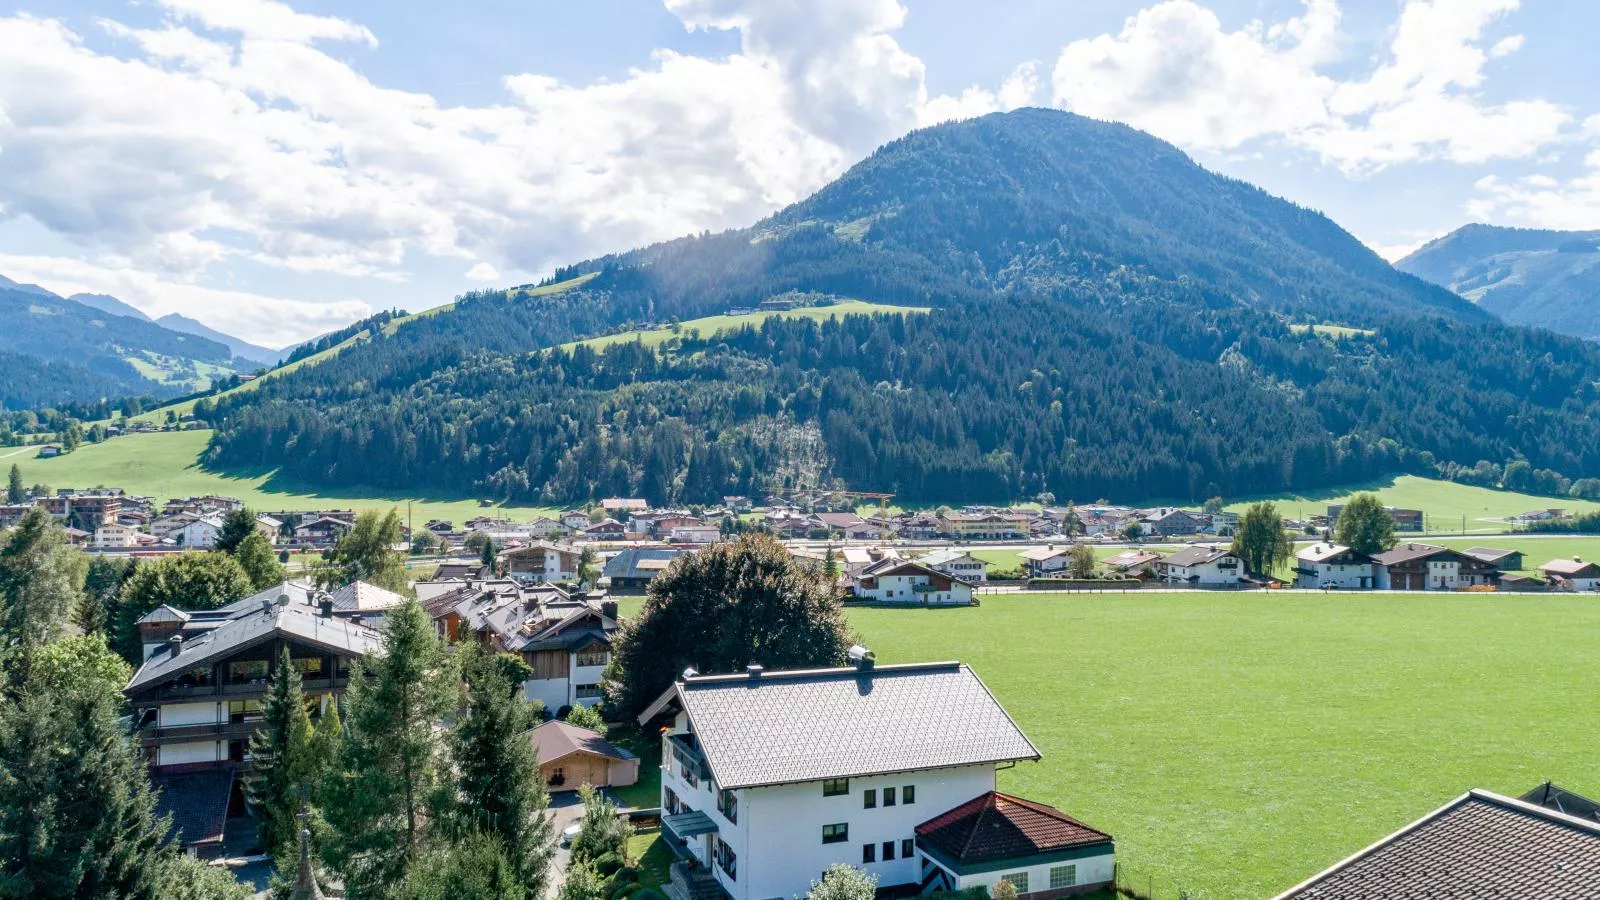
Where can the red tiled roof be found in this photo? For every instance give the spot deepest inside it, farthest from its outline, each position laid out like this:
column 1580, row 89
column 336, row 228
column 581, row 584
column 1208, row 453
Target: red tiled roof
column 998, row 826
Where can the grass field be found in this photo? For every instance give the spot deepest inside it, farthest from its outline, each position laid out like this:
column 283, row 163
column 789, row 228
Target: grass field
column 165, row 465
column 1237, row 743
column 710, row 325
column 1445, row 503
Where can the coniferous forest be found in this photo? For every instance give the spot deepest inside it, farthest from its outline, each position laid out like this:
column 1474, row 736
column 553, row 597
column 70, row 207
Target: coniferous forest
column 1107, row 319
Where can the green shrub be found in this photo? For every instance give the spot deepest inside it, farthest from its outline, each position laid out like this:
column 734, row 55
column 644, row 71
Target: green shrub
column 622, row 890
column 626, row 873
column 608, row 864
column 647, row 894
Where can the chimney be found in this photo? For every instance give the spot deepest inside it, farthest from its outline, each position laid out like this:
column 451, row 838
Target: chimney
column 326, row 605
column 608, row 608
column 355, row 619
column 688, row 673
column 175, row 644
column 862, row 658
column 753, row 670
column 266, row 606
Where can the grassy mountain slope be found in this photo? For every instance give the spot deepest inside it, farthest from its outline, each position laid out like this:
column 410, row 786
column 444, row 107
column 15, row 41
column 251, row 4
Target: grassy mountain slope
column 1107, row 319
column 250, row 353
column 1550, row 279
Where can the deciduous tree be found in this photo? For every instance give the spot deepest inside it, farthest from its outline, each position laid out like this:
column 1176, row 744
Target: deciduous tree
column 367, row 553
column 1364, row 525
column 191, row 581
column 1261, row 540
column 729, row 605
column 1081, row 562
column 260, row 564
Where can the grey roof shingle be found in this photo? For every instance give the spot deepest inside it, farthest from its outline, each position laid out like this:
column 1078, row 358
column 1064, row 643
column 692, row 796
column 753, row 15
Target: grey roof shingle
column 1479, row 845
column 838, row 723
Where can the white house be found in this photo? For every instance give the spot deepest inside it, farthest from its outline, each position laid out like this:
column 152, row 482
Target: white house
column 893, row 580
column 1046, row 561
column 1202, row 567
column 201, row 534
column 1324, row 565
column 959, row 563
column 108, row 537
column 768, row 778
column 695, row 534
column 542, row 561
column 544, row 527
column 1573, row 573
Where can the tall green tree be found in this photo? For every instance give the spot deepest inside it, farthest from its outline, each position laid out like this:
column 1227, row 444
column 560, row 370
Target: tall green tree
column 15, row 492
column 280, row 754
column 1364, row 525
column 1081, row 562
column 729, row 605
column 384, row 795
column 476, row 867
column 189, row 581
column 588, row 566
column 41, row 582
column 499, row 789
column 236, row 526
column 77, row 814
column 603, row 831
column 101, row 587
column 487, row 555
column 1261, row 540
column 259, row 562
column 367, row 553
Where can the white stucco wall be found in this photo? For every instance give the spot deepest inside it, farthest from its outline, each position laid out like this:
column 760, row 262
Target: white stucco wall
column 198, row 751
column 784, row 825
column 552, row 692
column 1091, row 870
column 173, row 714
column 902, row 589
column 1342, row 575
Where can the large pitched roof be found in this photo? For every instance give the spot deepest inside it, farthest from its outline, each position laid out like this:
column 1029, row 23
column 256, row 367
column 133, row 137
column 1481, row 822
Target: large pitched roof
column 358, row 596
column 555, row 739
column 640, row 562
column 1197, row 556
column 807, row 725
column 1478, row 845
column 1407, row 552
column 295, row 621
column 996, row 826
column 1566, row 566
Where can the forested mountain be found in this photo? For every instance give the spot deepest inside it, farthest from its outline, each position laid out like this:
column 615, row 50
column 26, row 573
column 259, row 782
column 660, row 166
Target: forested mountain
column 1110, row 320
column 1525, row 276
column 55, row 350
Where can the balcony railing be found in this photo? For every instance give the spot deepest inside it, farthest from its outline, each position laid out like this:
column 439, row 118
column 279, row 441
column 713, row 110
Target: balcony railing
column 151, row 735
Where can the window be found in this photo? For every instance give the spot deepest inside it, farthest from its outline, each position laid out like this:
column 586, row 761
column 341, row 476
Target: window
column 835, row 787
column 907, row 847
column 727, row 861
column 1063, row 877
column 587, row 691
column 672, row 802
column 888, row 796
column 240, row 711
column 836, row 834
column 908, row 794
column 728, row 805
column 597, row 656
column 309, row 666
column 549, row 664
column 869, row 853
column 1019, row 880
column 888, row 850
column 869, row 798
column 246, row 671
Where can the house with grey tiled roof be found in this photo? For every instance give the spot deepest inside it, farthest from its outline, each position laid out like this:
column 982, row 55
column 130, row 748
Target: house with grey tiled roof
column 197, row 697
column 768, row 778
column 1480, row 844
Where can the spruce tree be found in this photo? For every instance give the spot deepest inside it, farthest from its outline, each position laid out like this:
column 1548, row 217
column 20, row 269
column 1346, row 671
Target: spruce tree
column 236, row 526
column 383, row 795
column 500, row 792
column 279, row 753
column 15, row 492
column 77, row 815
column 41, row 582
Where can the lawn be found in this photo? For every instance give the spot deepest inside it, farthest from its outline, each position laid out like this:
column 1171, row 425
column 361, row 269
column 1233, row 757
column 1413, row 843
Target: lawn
column 1446, row 504
column 652, row 857
column 710, row 325
column 1237, row 743
column 646, row 792
column 165, row 465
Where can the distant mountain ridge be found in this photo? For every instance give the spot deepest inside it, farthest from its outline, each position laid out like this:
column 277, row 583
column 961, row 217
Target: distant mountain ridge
column 243, row 349
column 1548, row 279
column 109, row 304
column 1108, row 319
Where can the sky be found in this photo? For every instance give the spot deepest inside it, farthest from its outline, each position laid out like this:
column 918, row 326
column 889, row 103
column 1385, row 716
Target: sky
column 279, row 169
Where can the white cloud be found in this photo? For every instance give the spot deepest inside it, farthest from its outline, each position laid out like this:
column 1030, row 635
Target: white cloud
column 1539, row 201
column 186, row 150
column 268, row 19
column 273, row 321
column 1175, row 71
column 483, row 272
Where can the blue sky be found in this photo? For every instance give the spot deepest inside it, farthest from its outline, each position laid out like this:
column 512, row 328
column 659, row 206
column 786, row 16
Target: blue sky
column 277, row 169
